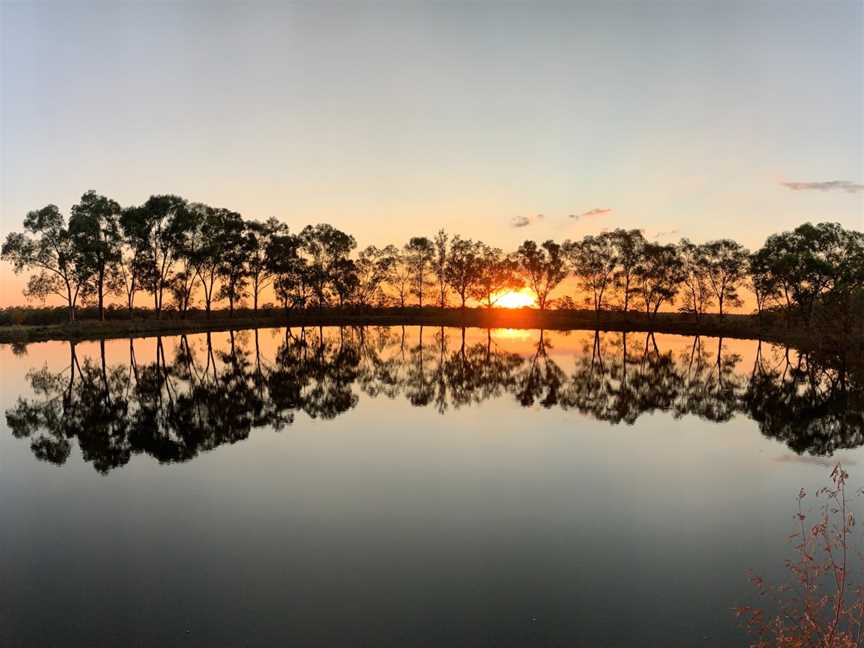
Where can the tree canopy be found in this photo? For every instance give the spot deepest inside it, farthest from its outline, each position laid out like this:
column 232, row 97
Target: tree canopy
column 197, row 254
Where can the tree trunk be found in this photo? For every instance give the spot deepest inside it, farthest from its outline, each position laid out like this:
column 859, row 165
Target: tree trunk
column 101, row 296
column 70, row 302
column 626, row 293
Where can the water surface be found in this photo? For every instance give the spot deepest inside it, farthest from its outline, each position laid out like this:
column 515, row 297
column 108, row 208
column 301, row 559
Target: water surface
column 395, row 487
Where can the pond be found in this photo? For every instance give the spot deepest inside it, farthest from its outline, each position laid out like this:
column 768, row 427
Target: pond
column 405, row 486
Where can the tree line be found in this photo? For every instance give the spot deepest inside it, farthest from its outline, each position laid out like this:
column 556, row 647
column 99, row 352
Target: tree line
column 182, row 254
column 174, row 408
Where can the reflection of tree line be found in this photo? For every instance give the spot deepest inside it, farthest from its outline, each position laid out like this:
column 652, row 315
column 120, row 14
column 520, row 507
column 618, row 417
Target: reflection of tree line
column 175, row 408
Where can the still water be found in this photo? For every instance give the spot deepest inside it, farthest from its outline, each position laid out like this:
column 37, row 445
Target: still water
column 405, row 486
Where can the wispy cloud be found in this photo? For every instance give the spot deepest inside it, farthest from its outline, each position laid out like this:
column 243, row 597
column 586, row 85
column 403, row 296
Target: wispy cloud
column 828, row 185
column 525, row 221
column 597, row 211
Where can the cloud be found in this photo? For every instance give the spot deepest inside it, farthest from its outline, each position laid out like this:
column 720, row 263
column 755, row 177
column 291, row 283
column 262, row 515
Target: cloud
column 525, row 221
column 828, row 185
column 597, row 211
column 666, row 234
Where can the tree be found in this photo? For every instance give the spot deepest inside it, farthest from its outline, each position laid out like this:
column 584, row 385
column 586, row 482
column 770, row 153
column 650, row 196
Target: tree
column 763, row 283
column 203, row 249
column 181, row 286
column 191, row 249
column 420, row 253
column 48, row 248
column 125, row 277
column 462, row 268
column 725, row 265
column 400, row 276
column 260, row 274
column 543, row 266
column 845, row 302
column 372, row 269
column 496, row 273
column 696, row 289
column 658, row 276
column 802, row 264
column 326, row 249
column 157, row 231
column 94, row 226
column 288, row 269
column 343, row 279
column 629, row 248
column 593, row 260
column 236, row 249
column 439, row 267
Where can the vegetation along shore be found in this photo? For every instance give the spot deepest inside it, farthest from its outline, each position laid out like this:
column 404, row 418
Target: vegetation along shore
column 804, row 287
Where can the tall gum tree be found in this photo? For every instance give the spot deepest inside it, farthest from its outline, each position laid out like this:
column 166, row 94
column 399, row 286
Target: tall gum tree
column 496, row 273
column 420, row 253
column 725, row 268
column 260, row 274
column 156, row 230
column 593, row 260
column 326, row 249
column 462, row 267
column 629, row 247
column 94, row 225
column 544, row 267
column 658, row 276
column 47, row 247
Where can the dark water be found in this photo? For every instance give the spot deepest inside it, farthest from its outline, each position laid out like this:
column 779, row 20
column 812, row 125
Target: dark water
column 390, row 487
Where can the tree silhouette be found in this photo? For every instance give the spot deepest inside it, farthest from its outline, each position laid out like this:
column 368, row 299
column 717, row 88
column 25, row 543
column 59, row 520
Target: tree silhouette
column 658, row 276
column 327, row 250
column 420, row 255
column 439, row 266
column 157, row 231
column 544, row 268
column 496, row 273
column 49, row 248
column 594, row 260
column 94, row 226
column 463, row 266
column 260, row 270
column 629, row 249
column 726, row 265
column 206, row 395
column 696, row 289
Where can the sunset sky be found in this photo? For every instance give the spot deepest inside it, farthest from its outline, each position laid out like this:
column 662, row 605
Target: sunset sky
column 500, row 121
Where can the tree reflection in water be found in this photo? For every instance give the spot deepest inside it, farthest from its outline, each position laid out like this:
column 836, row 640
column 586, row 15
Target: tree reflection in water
column 203, row 397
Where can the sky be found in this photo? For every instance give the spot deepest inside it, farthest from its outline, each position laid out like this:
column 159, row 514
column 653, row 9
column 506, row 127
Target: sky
column 502, row 121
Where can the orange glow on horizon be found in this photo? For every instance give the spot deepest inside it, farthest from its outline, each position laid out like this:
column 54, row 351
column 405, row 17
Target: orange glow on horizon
column 522, row 298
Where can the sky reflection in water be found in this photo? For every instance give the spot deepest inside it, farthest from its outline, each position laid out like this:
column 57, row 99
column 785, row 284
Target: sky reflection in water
column 390, row 487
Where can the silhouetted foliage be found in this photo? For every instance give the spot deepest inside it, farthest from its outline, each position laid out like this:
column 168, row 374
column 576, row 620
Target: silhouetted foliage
column 204, row 395
column 192, row 251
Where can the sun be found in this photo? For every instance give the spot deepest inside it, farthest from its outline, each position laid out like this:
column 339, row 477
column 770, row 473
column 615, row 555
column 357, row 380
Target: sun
column 515, row 299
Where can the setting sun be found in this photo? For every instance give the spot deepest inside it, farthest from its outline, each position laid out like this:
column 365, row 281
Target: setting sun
column 515, row 299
